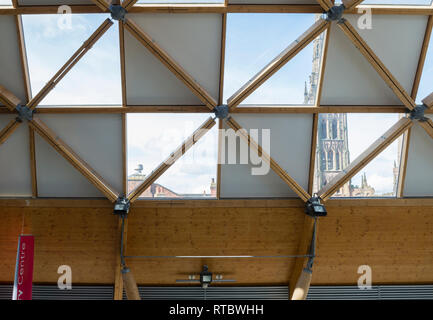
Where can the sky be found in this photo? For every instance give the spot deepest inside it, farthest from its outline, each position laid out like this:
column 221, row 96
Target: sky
column 252, row 41
column 363, row 130
column 153, row 137
column 50, row 42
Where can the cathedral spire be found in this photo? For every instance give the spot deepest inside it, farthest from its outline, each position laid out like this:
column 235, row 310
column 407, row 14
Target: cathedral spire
column 305, row 93
column 364, row 183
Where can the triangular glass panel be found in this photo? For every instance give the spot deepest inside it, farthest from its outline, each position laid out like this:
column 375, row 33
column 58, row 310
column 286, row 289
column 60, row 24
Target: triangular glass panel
column 192, row 176
column 180, row 1
column 192, row 41
column 426, row 83
column 342, row 138
column 419, row 170
column 380, row 177
column 399, row 2
column 57, row 177
column 351, row 80
column 253, row 40
column 51, row 41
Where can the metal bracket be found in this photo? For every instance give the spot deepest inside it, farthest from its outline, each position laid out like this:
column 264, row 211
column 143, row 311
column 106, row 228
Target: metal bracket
column 121, row 207
column 314, row 208
column 117, row 12
column 222, row 111
column 418, row 113
column 24, row 113
column 335, row 13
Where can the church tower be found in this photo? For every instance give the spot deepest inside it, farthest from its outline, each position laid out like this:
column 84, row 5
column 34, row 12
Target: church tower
column 310, row 94
column 332, row 151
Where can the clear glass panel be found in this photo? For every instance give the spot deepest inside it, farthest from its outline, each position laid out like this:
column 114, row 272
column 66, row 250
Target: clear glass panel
column 380, row 177
column 50, row 42
column 399, row 2
column 342, row 138
column 395, row 2
column 5, row 2
column 153, row 137
column 253, row 40
column 180, row 1
column 426, row 84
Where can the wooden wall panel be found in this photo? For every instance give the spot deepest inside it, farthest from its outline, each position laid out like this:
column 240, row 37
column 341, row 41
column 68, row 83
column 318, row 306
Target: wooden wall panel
column 215, row 231
column 394, row 240
column 209, row 232
column 84, row 239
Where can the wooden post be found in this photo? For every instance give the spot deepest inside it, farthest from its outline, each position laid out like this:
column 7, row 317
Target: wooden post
column 118, row 280
column 130, row 285
column 299, row 279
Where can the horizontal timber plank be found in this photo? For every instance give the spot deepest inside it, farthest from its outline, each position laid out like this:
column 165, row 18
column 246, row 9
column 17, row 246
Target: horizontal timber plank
column 222, row 203
column 231, row 8
column 394, row 240
column 269, row 109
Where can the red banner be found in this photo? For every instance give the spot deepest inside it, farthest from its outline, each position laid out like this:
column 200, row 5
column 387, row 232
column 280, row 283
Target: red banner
column 24, row 268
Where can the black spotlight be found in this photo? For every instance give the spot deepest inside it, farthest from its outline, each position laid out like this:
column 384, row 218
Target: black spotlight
column 205, row 277
column 314, row 208
column 121, row 207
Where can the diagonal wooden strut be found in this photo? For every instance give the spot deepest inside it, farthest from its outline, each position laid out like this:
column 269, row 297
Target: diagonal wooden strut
column 87, row 45
column 170, row 63
column 362, row 160
column 268, row 159
column 278, row 62
column 298, row 287
column 427, row 126
column 102, row 4
column 8, row 99
column 179, row 152
column 8, row 130
column 127, row 4
column 349, row 4
column 325, row 4
column 64, row 150
column 380, row 68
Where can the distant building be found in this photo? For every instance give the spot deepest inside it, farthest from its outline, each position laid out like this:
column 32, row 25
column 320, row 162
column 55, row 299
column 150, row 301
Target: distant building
column 159, row 191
